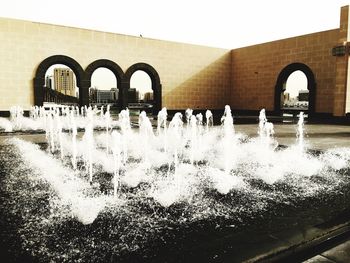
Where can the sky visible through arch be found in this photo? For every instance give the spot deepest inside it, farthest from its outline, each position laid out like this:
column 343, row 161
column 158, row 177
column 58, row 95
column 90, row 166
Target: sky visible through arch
column 296, row 81
column 222, row 23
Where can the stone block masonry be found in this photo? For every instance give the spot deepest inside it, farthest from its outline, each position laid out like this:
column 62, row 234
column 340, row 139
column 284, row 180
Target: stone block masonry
column 191, row 76
column 188, row 73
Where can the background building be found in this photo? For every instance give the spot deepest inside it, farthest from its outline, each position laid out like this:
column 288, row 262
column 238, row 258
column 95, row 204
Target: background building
column 103, row 96
column 148, row 97
column 48, row 82
column 64, row 81
column 133, row 95
column 303, row 95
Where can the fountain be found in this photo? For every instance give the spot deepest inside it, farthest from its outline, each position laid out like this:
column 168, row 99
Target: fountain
column 125, row 127
column 74, row 140
column 136, row 192
column 188, row 114
column 162, row 122
column 209, row 119
column 107, row 118
column 193, row 125
column 229, row 132
column 88, row 140
column 175, row 131
column 50, row 136
column 116, row 149
column 146, row 133
column 300, row 131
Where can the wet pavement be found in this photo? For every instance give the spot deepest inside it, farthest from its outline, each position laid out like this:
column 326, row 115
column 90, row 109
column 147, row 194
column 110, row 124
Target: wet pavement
column 317, row 136
column 337, row 254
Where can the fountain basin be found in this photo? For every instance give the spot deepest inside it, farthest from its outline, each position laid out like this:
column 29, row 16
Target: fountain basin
column 245, row 223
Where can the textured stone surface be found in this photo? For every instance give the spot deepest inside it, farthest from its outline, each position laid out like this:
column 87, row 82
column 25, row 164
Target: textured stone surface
column 318, row 259
column 192, row 76
column 340, row 253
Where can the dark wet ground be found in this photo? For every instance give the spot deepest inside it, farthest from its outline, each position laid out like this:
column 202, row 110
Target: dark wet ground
column 318, row 136
column 147, row 232
column 242, row 236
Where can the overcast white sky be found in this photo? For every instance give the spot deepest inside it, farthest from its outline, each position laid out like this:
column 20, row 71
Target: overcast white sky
column 220, row 23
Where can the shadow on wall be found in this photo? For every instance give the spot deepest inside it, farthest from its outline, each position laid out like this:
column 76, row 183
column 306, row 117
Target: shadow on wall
column 209, row 88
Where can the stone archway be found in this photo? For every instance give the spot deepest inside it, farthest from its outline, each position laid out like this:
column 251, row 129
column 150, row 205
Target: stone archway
column 282, row 79
column 39, row 79
column 156, row 85
column 116, row 70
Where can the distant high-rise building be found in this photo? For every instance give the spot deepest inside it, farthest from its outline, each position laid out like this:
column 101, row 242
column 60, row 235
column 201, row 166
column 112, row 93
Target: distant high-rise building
column 64, row 81
column 93, row 94
column 105, row 96
column 115, row 93
column 148, row 97
column 303, row 95
column 286, row 96
column 48, row 82
column 133, row 95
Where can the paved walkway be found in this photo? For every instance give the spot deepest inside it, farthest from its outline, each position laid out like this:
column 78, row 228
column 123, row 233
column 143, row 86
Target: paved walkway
column 318, row 136
column 338, row 254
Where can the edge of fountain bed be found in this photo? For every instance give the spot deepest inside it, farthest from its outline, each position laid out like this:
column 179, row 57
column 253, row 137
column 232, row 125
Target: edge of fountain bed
column 306, row 249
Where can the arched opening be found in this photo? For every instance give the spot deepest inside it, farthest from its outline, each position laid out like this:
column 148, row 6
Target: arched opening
column 42, row 92
column 156, row 86
column 104, row 89
column 295, row 90
column 104, row 78
column 60, row 86
column 140, row 94
column 295, row 95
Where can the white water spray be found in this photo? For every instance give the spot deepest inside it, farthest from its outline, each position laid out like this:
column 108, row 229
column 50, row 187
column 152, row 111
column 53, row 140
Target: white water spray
column 107, row 118
column 74, row 140
column 209, row 119
column 88, row 139
column 300, row 131
column 116, row 150
column 229, row 132
column 162, row 122
column 125, row 126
